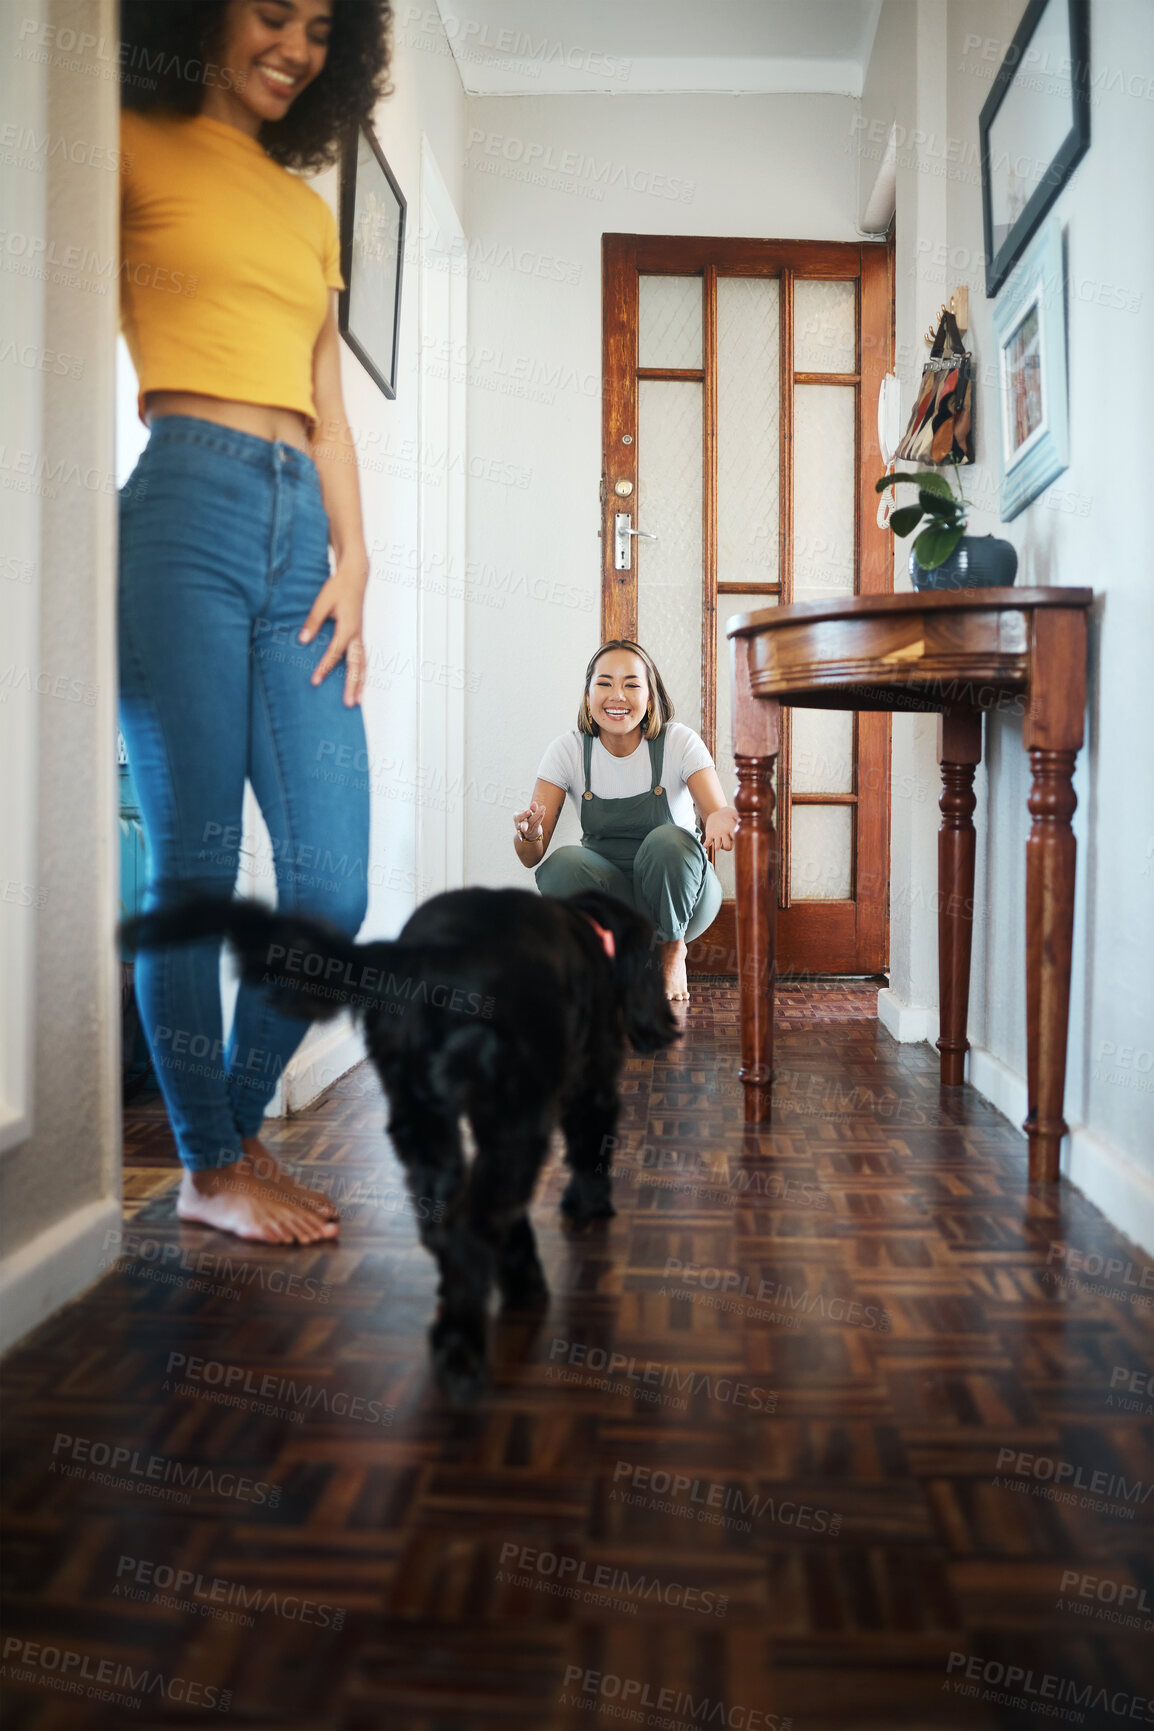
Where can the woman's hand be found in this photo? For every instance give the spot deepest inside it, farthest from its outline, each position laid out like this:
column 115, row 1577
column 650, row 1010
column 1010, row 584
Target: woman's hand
column 719, row 828
column 720, row 819
column 528, row 825
column 533, row 828
column 342, row 599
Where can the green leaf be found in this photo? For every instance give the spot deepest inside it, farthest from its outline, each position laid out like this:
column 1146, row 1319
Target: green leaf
column 931, row 482
column 893, row 480
column 934, row 545
column 905, row 520
column 949, row 511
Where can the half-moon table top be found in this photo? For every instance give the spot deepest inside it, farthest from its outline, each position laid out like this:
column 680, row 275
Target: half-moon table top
column 924, row 649
column 907, row 601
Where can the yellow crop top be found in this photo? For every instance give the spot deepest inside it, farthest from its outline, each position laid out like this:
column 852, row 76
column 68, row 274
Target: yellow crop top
column 227, row 260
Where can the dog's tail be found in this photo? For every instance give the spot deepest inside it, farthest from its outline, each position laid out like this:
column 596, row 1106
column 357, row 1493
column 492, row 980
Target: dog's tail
column 309, row 966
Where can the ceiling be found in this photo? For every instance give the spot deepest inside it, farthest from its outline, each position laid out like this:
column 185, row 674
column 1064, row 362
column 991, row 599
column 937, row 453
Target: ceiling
column 651, row 47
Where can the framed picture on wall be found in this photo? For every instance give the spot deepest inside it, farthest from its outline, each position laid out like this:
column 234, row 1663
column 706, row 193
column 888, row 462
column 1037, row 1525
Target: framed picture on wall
column 1030, row 330
column 372, row 248
column 1034, row 128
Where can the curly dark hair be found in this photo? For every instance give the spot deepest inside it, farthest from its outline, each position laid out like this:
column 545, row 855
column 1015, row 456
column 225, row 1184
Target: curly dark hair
column 167, row 49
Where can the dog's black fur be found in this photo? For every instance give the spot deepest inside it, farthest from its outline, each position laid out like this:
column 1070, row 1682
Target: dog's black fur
column 501, row 1006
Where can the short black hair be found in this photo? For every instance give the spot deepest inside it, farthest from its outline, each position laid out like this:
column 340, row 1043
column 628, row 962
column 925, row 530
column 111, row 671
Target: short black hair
column 167, row 51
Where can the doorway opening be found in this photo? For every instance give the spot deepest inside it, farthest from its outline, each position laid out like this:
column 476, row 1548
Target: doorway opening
column 739, row 455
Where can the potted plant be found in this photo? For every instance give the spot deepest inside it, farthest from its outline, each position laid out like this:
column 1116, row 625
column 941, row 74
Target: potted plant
column 944, row 556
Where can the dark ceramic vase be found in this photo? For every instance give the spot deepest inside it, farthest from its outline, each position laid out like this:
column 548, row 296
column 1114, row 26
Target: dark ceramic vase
column 977, row 562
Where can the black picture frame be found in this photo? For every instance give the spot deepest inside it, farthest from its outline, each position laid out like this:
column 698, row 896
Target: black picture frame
column 1040, row 100
column 372, row 227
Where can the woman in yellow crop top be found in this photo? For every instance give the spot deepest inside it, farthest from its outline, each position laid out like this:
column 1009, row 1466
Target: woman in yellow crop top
column 233, row 620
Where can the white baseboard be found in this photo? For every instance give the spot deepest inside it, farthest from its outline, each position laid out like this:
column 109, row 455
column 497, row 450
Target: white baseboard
column 54, row 1267
column 907, row 1022
column 998, row 1084
column 331, row 1054
column 1112, row 1182
column 1105, row 1175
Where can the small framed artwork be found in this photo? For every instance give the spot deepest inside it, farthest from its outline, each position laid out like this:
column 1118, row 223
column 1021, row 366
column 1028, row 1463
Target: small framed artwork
column 372, row 248
column 1034, row 128
column 1030, row 331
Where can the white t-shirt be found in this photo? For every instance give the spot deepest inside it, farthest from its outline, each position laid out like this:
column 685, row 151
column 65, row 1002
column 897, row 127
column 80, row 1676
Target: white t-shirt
column 619, row 777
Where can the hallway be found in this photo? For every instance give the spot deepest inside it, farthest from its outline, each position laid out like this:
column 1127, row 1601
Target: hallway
column 783, row 1451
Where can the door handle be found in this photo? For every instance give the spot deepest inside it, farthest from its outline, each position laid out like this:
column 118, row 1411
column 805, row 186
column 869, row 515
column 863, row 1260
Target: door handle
column 622, row 544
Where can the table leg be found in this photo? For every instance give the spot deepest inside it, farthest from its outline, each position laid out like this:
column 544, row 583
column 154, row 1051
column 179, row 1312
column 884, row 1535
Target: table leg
column 961, row 752
column 755, row 864
column 1050, row 858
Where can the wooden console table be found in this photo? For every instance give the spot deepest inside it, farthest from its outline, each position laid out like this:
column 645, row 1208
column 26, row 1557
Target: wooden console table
column 953, row 652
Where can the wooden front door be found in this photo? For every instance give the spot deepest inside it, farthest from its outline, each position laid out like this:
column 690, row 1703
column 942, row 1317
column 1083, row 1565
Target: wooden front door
column 741, row 381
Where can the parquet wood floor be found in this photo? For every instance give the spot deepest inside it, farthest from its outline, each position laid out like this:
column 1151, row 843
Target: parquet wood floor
column 839, row 1426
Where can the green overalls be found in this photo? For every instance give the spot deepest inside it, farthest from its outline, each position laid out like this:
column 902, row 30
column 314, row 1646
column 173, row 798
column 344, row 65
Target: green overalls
column 632, row 849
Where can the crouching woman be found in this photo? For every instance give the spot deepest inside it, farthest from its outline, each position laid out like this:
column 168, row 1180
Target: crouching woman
column 636, row 778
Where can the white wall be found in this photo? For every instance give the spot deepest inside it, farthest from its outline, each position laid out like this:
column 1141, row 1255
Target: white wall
column 776, row 166
column 427, row 101
column 61, row 1182
column 1087, row 529
column 905, row 93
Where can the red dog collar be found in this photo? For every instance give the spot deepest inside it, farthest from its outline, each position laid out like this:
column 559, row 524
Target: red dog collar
column 605, row 935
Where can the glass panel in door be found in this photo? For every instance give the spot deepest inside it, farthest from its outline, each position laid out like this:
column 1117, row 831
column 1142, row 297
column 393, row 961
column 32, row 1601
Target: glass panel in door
column 748, row 432
column 669, row 589
column 820, row 837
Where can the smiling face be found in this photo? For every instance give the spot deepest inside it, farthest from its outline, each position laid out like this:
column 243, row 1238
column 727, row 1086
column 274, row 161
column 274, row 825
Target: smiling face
column 271, row 51
column 618, row 693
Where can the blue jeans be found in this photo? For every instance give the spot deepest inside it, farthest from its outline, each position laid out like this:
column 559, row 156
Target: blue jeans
column 224, row 544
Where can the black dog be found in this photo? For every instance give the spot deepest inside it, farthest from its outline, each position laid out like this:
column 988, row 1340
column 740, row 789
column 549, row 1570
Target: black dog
column 509, row 1008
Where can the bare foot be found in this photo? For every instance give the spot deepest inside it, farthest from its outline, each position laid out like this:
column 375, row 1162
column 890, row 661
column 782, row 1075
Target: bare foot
column 232, row 1200
column 673, row 967
column 264, row 1166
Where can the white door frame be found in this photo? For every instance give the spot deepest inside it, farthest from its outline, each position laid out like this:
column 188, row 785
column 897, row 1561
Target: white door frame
column 24, row 99
column 442, row 262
